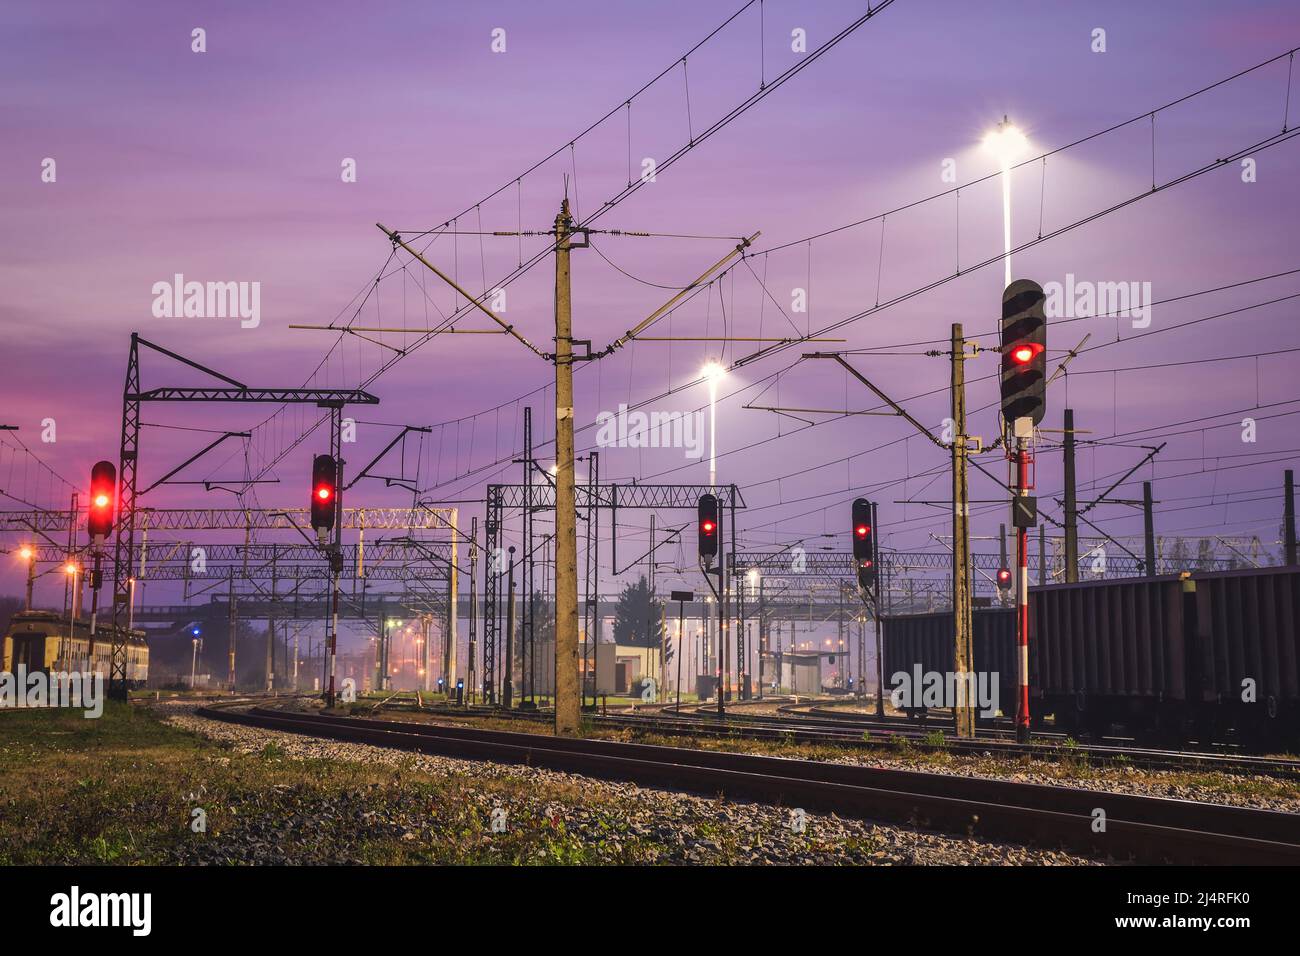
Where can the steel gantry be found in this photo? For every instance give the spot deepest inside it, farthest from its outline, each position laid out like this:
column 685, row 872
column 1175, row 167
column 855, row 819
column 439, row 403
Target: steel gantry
column 591, row 497
column 133, row 396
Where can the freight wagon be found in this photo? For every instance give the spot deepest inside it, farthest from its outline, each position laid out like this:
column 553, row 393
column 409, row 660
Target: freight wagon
column 1204, row 656
column 924, row 641
column 43, row 640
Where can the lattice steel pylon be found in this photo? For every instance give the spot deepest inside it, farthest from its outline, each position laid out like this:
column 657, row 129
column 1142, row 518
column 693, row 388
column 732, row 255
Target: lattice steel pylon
column 590, row 498
column 128, row 465
column 124, row 541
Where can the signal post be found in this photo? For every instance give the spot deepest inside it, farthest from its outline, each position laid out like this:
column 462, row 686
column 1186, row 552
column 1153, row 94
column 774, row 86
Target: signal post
column 99, row 524
column 326, row 513
column 1024, row 400
column 866, row 556
column 708, row 516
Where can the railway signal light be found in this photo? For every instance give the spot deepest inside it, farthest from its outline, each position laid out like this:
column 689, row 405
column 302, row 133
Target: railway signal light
column 707, row 526
column 324, row 493
column 99, row 521
column 1004, row 578
column 864, row 541
column 1024, row 352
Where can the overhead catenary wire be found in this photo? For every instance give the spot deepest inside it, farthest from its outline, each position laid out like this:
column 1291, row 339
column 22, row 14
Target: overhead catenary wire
column 633, row 186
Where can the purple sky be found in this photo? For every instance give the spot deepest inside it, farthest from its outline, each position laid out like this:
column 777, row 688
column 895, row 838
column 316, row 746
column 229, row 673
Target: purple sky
column 225, row 166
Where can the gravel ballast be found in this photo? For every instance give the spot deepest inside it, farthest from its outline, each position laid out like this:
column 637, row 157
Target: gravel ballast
column 608, row 822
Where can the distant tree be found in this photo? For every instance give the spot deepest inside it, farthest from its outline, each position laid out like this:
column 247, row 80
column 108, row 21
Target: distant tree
column 543, row 619
column 638, row 618
column 9, row 606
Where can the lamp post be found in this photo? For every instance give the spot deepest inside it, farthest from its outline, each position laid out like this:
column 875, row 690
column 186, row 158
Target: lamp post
column 194, row 656
column 28, row 554
column 72, row 570
column 681, row 597
column 1007, row 143
column 713, row 373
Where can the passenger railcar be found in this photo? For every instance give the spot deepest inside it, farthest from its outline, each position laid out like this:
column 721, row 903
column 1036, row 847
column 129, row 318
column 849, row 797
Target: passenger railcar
column 46, row 641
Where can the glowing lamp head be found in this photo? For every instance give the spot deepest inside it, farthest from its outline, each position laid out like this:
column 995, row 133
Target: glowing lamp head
column 713, row 370
column 25, row 553
column 1006, row 142
column 102, row 500
column 862, row 530
column 70, row 568
column 707, row 527
column 1004, row 576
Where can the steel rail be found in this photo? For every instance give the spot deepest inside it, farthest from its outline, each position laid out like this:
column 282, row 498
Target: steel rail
column 1148, row 829
column 885, row 734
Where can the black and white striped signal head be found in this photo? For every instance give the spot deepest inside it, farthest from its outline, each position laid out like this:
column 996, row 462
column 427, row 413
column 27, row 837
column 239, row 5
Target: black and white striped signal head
column 1024, row 351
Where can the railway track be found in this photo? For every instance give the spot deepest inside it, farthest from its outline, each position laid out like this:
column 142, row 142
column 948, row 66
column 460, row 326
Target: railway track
column 824, row 725
column 874, row 734
column 1114, row 826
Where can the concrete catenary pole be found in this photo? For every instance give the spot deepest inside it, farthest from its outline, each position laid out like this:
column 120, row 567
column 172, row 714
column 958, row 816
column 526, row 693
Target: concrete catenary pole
column 233, row 624
column 567, row 704
column 1288, row 516
column 508, row 683
column 270, row 628
column 450, row 665
column 961, row 599
column 1071, row 504
column 1149, row 529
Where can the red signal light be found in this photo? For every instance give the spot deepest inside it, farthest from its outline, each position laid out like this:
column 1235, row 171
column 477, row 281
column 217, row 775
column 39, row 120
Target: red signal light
column 863, row 530
column 99, row 516
column 1025, row 353
column 1004, row 576
column 706, row 525
column 325, row 476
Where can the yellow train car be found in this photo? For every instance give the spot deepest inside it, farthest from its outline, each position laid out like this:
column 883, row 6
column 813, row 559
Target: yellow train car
column 44, row 640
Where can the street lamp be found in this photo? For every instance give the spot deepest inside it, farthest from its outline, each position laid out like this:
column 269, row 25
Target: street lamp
column 28, row 554
column 713, row 373
column 196, row 643
column 72, row 571
column 1007, row 143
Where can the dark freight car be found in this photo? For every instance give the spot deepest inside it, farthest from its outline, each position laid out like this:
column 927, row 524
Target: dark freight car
column 1109, row 651
column 1205, row 656
column 925, row 640
column 1245, row 666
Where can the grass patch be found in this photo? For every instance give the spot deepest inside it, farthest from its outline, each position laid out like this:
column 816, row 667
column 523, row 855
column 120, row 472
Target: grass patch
column 120, row 790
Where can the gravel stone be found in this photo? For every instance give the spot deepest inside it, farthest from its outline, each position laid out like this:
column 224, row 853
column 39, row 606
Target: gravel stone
column 678, row 828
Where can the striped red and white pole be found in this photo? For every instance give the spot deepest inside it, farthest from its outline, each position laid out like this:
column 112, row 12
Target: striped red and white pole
column 1022, row 600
